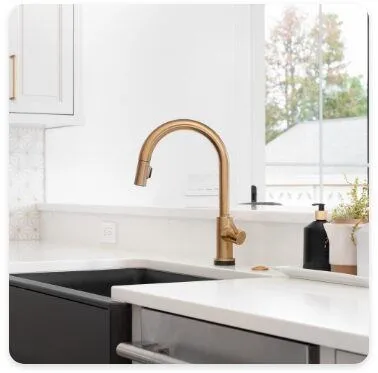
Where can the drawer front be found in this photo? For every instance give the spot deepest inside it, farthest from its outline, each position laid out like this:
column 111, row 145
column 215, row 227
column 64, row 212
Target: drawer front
column 196, row 341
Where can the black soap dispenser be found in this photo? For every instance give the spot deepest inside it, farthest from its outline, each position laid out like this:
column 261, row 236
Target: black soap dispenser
column 316, row 245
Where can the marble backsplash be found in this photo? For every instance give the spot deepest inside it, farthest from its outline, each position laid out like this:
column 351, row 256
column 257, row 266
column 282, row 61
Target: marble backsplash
column 26, row 182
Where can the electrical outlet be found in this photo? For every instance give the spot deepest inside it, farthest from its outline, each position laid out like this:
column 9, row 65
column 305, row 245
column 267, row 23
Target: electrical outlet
column 108, row 232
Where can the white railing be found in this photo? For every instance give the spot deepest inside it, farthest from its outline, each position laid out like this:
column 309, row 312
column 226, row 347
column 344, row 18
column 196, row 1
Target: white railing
column 306, row 194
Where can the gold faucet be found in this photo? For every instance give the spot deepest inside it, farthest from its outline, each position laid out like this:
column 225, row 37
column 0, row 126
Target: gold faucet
column 227, row 233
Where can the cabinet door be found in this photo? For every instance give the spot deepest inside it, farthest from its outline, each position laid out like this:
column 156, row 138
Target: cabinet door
column 41, row 43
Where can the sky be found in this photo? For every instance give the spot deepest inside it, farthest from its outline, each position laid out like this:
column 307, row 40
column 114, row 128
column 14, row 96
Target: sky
column 354, row 29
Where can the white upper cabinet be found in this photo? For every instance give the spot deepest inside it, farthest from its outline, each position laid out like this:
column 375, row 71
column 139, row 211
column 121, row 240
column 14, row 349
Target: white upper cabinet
column 42, row 65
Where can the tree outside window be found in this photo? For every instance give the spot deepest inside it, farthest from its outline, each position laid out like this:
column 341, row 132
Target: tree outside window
column 315, row 87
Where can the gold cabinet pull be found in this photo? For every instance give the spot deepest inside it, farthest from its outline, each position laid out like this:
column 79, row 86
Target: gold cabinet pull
column 13, row 82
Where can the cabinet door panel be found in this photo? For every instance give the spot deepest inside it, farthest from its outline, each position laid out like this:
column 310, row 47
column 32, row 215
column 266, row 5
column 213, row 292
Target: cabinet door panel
column 44, row 58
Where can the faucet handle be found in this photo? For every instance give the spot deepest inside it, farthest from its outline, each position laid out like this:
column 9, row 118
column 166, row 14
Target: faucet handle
column 231, row 233
column 240, row 237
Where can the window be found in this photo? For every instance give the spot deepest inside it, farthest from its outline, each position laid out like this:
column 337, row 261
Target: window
column 316, row 102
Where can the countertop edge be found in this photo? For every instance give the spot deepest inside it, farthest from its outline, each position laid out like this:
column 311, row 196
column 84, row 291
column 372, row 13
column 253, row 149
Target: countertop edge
column 264, row 214
column 355, row 343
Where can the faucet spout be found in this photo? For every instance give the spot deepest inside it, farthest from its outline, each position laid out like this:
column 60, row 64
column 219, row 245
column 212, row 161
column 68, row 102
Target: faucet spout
column 227, row 231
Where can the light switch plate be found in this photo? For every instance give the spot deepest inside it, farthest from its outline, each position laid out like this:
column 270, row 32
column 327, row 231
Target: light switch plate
column 108, row 232
column 205, row 184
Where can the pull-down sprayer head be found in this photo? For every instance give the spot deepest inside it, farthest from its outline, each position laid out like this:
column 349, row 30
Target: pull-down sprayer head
column 143, row 172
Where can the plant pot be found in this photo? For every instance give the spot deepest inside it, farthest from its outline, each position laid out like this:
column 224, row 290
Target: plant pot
column 342, row 250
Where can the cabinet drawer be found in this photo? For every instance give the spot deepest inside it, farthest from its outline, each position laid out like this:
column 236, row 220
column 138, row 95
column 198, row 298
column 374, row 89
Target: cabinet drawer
column 196, row 341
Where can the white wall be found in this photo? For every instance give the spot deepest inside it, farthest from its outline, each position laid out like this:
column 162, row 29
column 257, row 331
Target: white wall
column 144, row 65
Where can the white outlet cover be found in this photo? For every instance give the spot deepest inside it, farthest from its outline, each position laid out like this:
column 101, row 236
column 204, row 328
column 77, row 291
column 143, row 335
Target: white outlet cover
column 108, row 232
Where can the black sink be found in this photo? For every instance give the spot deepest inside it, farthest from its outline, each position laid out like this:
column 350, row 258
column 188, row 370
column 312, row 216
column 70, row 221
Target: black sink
column 100, row 282
column 69, row 317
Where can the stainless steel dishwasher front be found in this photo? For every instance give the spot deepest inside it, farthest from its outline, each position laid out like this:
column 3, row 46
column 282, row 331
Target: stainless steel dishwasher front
column 200, row 342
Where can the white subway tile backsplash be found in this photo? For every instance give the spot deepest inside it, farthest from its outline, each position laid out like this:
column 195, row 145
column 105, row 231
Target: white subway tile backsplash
column 26, row 182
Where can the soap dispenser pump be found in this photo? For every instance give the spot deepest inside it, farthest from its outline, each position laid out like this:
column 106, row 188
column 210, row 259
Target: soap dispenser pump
column 316, row 244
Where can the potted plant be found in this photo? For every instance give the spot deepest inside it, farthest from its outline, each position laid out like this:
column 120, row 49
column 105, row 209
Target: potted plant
column 347, row 218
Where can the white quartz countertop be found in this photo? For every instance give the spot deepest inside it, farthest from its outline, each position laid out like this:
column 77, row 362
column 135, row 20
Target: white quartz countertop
column 332, row 315
column 269, row 302
column 29, row 256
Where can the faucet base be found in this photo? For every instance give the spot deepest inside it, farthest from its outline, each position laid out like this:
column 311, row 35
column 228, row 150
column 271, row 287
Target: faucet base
column 224, row 262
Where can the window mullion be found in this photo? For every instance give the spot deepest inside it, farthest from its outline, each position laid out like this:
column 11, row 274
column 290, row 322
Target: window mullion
column 320, row 119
